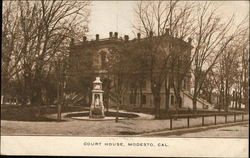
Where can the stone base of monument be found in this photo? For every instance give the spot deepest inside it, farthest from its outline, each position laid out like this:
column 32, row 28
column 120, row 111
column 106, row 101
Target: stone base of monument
column 96, row 113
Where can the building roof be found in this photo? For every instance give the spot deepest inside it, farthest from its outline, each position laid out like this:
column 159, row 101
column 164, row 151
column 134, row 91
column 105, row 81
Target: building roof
column 116, row 40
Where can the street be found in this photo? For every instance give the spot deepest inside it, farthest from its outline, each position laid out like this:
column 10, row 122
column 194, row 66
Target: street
column 232, row 131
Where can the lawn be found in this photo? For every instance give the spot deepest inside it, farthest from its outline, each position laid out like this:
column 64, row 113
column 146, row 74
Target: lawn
column 181, row 113
column 29, row 113
column 18, row 120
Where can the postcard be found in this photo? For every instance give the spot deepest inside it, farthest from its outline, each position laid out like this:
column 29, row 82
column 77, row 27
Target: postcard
column 125, row 78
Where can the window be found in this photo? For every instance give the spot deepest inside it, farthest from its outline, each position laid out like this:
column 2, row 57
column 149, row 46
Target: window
column 132, row 98
column 180, row 103
column 143, row 99
column 171, row 84
column 172, row 100
column 144, row 84
column 132, row 85
column 184, row 84
column 103, row 59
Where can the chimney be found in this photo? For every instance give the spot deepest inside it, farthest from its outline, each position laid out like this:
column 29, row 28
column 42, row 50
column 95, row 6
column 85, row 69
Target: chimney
column 116, row 35
column 126, row 37
column 97, row 37
column 167, row 32
column 84, row 38
column 189, row 40
column 138, row 36
column 110, row 34
column 151, row 34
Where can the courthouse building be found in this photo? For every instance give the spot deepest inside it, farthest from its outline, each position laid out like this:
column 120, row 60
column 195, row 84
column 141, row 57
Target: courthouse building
column 89, row 59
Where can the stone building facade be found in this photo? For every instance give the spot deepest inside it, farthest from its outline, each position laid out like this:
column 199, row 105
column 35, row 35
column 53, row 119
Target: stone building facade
column 89, row 59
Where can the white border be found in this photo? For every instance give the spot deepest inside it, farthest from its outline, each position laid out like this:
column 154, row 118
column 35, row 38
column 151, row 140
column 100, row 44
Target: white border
column 74, row 146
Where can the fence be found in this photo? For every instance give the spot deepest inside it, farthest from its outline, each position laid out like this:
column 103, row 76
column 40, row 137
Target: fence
column 189, row 117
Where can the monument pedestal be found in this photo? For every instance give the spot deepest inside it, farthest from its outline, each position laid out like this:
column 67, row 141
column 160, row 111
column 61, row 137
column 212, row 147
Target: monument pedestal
column 97, row 107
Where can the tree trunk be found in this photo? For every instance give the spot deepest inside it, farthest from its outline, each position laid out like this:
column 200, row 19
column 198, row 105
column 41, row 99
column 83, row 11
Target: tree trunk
column 210, row 96
column 226, row 96
column 157, row 100
column 223, row 99
column 140, row 97
column 178, row 101
column 106, row 101
column 167, row 93
column 156, row 88
column 194, row 101
column 236, row 100
column 117, row 111
column 240, row 100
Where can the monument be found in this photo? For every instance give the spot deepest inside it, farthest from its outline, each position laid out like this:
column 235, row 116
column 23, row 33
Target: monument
column 97, row 108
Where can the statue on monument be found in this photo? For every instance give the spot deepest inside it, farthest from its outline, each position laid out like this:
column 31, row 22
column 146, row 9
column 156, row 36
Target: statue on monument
column 97, row 101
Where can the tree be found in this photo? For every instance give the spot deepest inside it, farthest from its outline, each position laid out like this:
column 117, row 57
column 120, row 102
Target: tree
column 245, row 70
column 172, row 19
column 209, row 86
column 227, row 66
column 80, row 73
column 10, row 36
column 40, row 32
column 211, row 39
column 119, row 65
column 241, row 78
column 229, row 72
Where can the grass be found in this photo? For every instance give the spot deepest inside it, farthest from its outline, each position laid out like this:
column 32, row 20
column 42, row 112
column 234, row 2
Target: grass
column 30, row 113
column 181, row 113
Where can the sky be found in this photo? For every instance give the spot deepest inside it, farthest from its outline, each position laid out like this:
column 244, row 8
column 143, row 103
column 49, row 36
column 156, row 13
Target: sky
column 118, row 16
column 115, row 16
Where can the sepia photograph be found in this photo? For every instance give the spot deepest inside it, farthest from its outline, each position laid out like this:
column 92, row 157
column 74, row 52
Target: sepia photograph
column 125, row 78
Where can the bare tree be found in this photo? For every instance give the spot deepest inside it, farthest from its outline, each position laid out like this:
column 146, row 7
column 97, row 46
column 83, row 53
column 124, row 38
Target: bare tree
column 208, row 87
column 119, row 66
column 157, row 17
column 241, row 84
column 211, row 39
column 229, row 73
column 228, row 64
column 11, row 34
column 43, row 30
column 245, row 71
